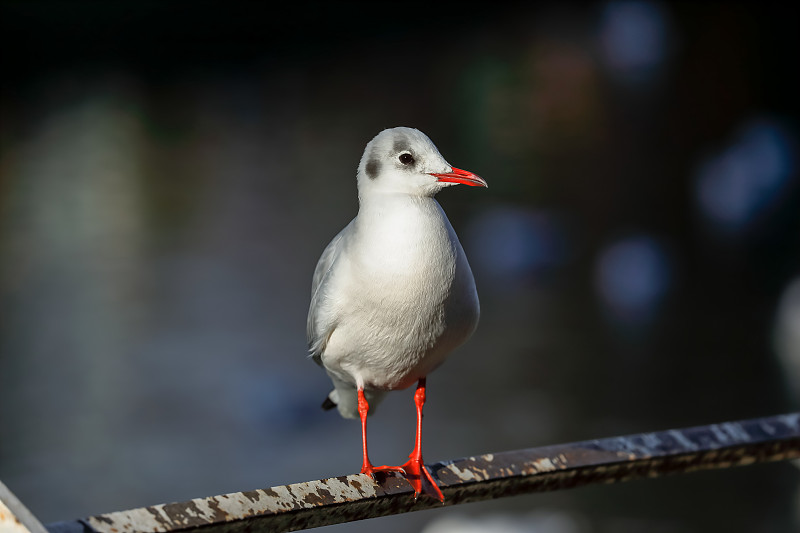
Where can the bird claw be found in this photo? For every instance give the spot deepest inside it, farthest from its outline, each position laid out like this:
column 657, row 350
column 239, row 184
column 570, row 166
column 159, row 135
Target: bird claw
column 372, row 470
column 416, row 472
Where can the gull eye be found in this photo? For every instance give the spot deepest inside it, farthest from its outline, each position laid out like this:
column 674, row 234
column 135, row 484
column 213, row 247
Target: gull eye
column 406, row 158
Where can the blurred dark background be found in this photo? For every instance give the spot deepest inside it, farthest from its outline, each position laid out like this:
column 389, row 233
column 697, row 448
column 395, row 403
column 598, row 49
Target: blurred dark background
column 171, row 171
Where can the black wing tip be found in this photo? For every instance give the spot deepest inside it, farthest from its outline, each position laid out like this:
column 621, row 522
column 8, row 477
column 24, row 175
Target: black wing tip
column 328, row 404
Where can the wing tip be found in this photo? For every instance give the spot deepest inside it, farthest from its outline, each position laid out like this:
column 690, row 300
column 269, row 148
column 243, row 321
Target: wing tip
column 328, row 404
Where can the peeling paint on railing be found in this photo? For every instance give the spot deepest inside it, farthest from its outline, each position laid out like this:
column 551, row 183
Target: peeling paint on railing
column 355, row 497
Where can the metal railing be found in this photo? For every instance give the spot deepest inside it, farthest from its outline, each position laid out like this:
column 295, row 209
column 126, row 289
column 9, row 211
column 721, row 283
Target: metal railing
column 355, row 497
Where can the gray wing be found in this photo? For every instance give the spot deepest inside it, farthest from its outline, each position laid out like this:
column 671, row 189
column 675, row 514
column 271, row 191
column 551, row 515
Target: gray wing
column 320, row 324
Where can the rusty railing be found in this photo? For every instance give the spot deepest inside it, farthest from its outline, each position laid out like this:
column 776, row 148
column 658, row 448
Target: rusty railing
column 355, row 497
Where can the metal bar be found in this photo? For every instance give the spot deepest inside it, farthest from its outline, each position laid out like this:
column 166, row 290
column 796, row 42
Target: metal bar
column 355, row 497
column 15, row 517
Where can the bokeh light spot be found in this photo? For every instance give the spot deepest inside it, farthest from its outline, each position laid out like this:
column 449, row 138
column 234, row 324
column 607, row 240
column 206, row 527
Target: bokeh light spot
column 513, row 242
column 632, row 277
column 744, row 180
column 633, row 39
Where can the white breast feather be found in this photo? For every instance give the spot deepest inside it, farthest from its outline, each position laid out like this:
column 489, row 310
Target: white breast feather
column 391, row 320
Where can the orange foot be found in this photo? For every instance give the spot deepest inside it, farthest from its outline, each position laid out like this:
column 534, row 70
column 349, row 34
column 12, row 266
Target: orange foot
column 420, row 478
column 370, row 470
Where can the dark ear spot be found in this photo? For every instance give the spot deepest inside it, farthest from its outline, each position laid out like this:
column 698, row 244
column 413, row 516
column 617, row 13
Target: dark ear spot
column 373, row 168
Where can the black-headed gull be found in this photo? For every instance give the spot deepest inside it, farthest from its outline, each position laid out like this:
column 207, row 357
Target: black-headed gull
column 393, row 293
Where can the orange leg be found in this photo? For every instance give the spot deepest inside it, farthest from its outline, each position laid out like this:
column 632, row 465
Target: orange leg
column 366, row 466
column 414, row 469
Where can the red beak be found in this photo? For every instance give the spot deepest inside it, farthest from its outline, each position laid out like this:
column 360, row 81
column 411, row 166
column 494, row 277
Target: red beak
column 465, row 177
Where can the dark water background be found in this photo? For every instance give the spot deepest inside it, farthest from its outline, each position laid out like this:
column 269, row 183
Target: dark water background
column 170, row 172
